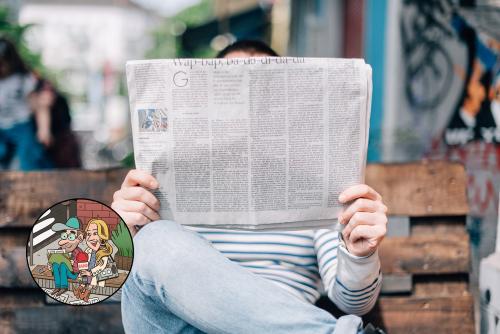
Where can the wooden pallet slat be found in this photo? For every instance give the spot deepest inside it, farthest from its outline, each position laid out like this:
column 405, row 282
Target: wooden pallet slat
column 420, row 189
column 24, row 196
column 425, row 254
column 424, row 315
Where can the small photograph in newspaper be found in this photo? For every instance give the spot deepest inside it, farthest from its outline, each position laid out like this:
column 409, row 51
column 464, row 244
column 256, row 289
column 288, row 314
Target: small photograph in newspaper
column 152, row 120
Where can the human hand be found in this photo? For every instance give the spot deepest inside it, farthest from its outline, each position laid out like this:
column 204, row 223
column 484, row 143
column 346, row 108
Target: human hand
column 44, row 137
column 85, row 272
column 365, row 219
column 134, row 203
column 45, row 98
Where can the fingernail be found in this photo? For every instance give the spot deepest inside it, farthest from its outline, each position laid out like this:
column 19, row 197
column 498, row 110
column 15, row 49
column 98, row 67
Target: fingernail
column 340, row 219
column 154, row 184
column 342, row 197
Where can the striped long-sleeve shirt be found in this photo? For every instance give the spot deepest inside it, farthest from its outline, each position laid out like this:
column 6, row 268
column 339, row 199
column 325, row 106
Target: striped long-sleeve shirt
column 305, row 263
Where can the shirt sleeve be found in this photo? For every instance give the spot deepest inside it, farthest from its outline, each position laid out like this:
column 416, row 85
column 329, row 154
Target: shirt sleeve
column 29, row 84
column 351, row 282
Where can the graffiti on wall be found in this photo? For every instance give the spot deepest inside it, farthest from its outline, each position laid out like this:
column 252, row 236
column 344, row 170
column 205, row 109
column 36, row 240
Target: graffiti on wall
column 430, row 68
column 428, row 64
column 477, row 113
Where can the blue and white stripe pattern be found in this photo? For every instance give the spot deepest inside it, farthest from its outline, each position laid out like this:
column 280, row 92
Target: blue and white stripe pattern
column 305, row 263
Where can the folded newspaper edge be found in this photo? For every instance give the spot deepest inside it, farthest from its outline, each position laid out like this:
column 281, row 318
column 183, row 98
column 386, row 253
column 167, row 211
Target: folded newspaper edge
column 251, row 143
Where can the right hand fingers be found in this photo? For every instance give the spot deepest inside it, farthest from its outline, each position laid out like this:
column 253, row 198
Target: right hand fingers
column 137, row 194
column 137, row 177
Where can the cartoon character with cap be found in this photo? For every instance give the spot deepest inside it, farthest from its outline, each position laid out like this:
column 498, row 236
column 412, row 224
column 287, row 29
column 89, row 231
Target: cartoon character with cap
column 65, row 266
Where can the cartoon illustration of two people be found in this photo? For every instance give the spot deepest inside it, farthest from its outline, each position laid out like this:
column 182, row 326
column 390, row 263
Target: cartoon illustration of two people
column 87, row 265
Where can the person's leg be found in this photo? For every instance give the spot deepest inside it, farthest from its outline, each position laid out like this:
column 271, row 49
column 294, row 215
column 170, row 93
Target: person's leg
column 71, row 274
column 144, row 314
column 64, row 275
column 57, row 275
column 3, row 149
column 31, row 153
column 177, row 272
column 7, row 149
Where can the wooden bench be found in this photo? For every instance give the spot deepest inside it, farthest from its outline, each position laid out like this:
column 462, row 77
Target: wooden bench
column 45, row 279
column 425, row 260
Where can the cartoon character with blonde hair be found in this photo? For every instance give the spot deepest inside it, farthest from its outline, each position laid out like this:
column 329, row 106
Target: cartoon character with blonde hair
column 99, row 253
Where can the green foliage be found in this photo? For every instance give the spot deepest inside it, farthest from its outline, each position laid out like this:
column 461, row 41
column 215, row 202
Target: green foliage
column 123, row 240
column 16, row 32
column 197, row 14
column 128, row 161
column 165, row 44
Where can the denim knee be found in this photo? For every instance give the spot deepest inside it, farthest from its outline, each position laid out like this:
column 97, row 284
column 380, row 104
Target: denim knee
column 159, row 247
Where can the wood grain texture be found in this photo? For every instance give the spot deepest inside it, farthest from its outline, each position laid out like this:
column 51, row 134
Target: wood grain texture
column 420, row 189
column 61, row 319
column 42, row 272
column 414, row 189
column 426, row 254
column 24, row 196
column 424, row 315
column 14, row 270
column 442, row 286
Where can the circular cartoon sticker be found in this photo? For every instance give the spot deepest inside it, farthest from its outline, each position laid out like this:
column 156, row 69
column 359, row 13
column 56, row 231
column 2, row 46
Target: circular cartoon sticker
column 80, row 251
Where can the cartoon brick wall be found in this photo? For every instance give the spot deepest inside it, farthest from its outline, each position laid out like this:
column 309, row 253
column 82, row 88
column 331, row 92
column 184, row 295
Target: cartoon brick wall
column 86, row 210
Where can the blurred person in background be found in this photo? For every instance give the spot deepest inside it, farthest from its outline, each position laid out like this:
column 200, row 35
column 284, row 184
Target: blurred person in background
column 64, row 149
column 18, row 102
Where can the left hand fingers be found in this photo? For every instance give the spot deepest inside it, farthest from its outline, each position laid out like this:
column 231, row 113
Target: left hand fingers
column 359, row 191
column 361, row 205
column 364, row 218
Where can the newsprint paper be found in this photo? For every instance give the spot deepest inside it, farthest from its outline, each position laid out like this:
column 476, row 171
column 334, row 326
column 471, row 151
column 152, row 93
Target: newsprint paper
column 251, row 143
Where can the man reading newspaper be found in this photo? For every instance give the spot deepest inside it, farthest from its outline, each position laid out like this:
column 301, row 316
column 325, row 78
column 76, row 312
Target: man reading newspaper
column 195, row 279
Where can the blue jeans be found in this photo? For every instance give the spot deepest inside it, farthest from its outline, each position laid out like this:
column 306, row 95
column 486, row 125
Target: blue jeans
column 20, row 141
column 61, row 274
column 180, row 284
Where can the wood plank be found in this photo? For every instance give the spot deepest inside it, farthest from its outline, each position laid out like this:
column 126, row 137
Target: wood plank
column 426, row 254
column 420, row 189
column 61, row 319
column 24, row 196
column 42, row 272
column 14, row 270
column 414, row 189
column 424, row 315
column 441, row 286
column 18, row 298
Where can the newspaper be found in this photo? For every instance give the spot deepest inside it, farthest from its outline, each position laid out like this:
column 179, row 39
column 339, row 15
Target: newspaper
column 251, row 143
